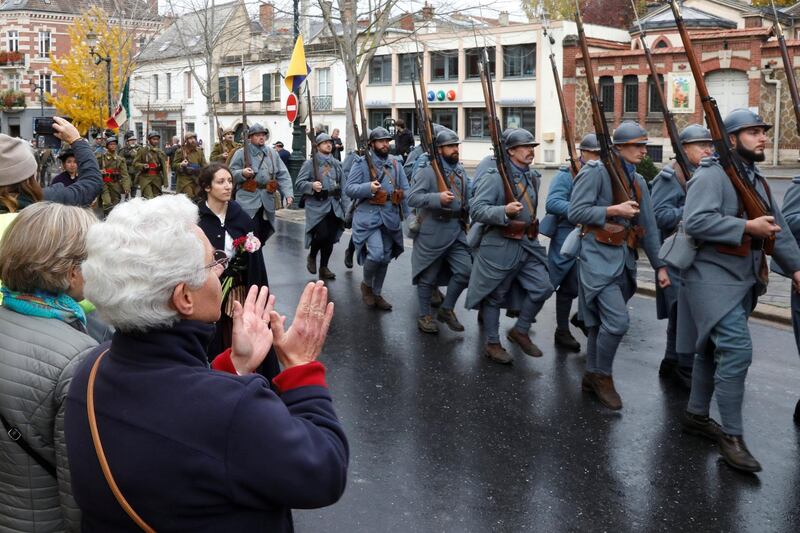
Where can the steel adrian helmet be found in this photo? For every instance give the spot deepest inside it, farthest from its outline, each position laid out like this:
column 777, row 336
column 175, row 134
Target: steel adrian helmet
column 630, row 132
column 514, row 137
column 152, row 134
column 189, row 135
column 323, row 137
column 695, row 133
column 379, row 134
column 112, row 139
column 447, row 137
column 589, row 143
column 257, row 128
column 741, row 118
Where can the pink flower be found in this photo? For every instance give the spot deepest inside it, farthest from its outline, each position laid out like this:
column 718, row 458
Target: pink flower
column 252, row 244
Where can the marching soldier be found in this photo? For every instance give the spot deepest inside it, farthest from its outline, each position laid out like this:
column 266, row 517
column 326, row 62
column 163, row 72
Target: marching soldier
column 324, row 208
column 347, row 165
column 128, row 151
column 440, row 255
column 668, row 196
column 256, row 184
column 223, row 150
column 116, row 180
column 151, row 167
column 791, row 212
column 564, row 270
column 721, row 286
column 506, row 272
column 187, row 163
column 379, row 212
column 610, row 237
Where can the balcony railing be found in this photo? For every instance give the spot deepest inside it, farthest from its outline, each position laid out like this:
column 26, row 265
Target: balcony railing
column 322, row 103
column 13, row 60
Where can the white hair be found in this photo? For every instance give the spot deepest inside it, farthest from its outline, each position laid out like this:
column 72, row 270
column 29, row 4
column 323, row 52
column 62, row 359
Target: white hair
column 137, row 257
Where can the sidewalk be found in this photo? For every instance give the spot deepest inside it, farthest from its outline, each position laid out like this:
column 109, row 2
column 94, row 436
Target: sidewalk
column 774, row 306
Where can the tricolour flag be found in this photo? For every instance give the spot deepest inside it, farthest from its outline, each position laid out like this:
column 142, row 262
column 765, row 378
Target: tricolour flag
column 121, row 112
column 298, row 68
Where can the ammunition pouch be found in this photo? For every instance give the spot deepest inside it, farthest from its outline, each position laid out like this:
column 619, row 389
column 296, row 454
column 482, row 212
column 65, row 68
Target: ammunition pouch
column 397, row 196
column 380, row 197
column 250, row 185
column 613, row 234
column 517, row 229
column 271, row 186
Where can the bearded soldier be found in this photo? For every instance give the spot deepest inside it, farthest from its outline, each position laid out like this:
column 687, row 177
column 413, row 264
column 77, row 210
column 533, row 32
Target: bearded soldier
column 116, row 180
column 440, row 254
column 564, row 270
column 669, row 195
column 151, row 165
column 187, row 163
column 223, row 150
column 380, row 208
column 721, row 286
column 610, row 236
column 507, row 272
column 257, row 183
column 324, row 209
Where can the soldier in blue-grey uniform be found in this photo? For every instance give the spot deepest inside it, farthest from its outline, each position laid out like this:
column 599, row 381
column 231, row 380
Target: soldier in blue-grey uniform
column 722, row 285
column 379, row 212
column 564, row 270
column 507, row 272
column 347, row 165
column 323, row 205
column 669, row 194
column 611, row 234
column 440, row 255
column 256, row 185
column 411, row 163
column 791, row 213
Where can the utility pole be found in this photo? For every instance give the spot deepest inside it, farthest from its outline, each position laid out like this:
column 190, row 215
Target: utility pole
column 298, row 156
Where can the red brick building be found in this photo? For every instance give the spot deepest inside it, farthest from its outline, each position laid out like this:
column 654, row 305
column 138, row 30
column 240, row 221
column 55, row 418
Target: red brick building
column 33, row 31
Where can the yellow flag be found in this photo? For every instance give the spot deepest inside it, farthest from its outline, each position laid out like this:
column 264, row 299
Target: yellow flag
column 298, row 68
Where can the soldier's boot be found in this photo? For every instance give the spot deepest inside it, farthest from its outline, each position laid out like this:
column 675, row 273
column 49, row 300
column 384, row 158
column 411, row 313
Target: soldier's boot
column 325, row 273
column 735, row 453
column 603, row 387
column 525, row 343
column 667, row 367
column 578, row 323
column 382, row 304
column 448, row 316
column 564, row 338
column 682, row 377
column 797, row 413
column 498, row 354
column 437, row 298
column 427, row 325
column 480, row 316
column 311, row 263
column 702, row 426
column 348, row 256
column 366, row 295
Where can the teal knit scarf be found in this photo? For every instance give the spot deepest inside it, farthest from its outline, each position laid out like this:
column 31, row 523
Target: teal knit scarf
column 44, row 304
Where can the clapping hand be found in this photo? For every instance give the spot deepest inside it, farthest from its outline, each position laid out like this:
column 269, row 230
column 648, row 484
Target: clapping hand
column 252, row 337
column 302, row 342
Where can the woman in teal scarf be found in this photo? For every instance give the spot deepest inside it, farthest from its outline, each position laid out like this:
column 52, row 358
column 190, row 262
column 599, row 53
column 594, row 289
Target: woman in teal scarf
column 43, row 332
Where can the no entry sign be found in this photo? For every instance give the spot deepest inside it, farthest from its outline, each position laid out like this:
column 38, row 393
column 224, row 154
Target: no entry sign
column 291, row 107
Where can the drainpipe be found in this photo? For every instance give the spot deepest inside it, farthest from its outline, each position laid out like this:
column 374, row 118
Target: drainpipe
column 777, row 135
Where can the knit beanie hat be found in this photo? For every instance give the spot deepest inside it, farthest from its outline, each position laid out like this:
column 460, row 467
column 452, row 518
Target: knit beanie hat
column 17, row 162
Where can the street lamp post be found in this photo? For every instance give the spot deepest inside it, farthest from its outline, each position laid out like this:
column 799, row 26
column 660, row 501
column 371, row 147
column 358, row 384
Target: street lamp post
column 91, row 40
column 298, row 156
column 39, row 89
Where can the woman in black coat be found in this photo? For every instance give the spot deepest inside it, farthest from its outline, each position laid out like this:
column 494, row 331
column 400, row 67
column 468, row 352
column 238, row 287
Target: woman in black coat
column 225, row 224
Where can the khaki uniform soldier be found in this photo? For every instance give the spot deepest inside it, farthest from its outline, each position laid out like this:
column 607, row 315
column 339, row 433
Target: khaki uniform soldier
column 116, row 180
column 223, row 151
column 150, row 164
column 129, row 151
column 187, row 164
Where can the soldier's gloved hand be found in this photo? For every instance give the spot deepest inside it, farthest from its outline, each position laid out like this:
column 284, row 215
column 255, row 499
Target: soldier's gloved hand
column 762, row 227
column 317, row 186
column 627, row 210
column 374, row 186
column 248, row 172
column 513, row 209
column 446, row 197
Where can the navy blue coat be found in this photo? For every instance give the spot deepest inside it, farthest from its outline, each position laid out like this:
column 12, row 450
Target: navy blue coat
column 194, row 449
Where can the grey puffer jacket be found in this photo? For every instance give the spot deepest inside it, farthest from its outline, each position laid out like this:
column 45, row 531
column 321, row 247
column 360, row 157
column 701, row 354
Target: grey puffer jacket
column 38, row 357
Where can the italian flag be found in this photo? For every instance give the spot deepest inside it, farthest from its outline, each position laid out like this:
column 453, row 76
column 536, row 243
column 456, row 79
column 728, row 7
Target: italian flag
column 121, row 112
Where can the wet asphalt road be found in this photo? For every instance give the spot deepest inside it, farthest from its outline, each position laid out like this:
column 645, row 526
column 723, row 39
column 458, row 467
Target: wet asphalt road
column 441, row 439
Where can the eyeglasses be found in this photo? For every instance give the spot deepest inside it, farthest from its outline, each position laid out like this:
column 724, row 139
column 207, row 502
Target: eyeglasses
column 220, row 262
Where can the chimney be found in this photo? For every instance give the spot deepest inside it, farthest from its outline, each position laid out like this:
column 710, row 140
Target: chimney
column 266, row 16
column 427, row 12
column 407, row 22
column 503, row 18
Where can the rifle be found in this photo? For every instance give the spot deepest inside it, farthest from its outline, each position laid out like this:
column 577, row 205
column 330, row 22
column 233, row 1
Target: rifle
column 426, row 136
column 311, row 137
column 620, row 188
column 788, row 68
column 573, row 153
column 246, row 162
column 516, row 229
column 373, row 172
column 147, row 122
column 681, row 160
column 754, row 206
column 183, row 137
column 351, row 104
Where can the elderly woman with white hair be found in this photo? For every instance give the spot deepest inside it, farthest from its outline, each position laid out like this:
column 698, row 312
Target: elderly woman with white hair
column 157, row 440
column 44, row 337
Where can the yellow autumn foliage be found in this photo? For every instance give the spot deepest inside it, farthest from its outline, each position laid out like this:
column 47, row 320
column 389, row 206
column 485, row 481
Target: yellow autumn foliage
column 81, row 84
